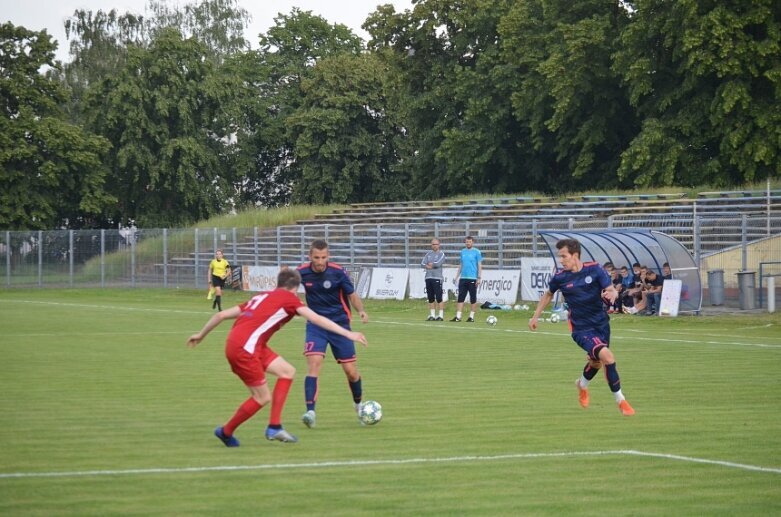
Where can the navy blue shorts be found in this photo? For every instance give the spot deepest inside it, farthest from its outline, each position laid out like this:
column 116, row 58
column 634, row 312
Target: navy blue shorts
column 593, row 340
column 318, row 339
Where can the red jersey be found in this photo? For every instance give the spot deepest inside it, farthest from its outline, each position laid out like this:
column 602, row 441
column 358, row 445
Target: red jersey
column 260, row 317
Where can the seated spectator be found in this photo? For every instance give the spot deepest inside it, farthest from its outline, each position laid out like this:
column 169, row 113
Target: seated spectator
column 667, row 273
column 634, row 301
column 652, row 292
column 618, row 283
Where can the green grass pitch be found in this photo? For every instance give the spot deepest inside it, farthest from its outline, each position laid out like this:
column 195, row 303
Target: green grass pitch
column 103, row 410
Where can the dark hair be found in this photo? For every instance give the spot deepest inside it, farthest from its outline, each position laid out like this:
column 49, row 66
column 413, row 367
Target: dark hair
column 636, row 264
column 666, row 264
column 469, row 238
column 572, row 245
column 318, row 244
column 288, row 278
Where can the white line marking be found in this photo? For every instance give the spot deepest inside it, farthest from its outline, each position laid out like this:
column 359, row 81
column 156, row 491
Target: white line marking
column 371, row 463
column 410, row 324
column 566, row 333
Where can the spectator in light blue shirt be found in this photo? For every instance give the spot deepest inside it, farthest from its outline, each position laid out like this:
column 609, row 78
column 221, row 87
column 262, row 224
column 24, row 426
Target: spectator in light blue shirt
column 470, row 270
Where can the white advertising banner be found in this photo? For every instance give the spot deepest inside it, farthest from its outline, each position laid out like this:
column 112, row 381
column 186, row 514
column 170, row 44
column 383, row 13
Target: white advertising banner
column 259, row 278
column 499, row 286
column 417, row 283
column 388, row 283
column 535, row 275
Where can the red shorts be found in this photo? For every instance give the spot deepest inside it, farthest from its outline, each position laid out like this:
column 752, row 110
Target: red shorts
column 250, row 368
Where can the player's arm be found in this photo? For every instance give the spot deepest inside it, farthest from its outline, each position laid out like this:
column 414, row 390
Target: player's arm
column 209, row 274
column 227, row 271
column 355, row 301
column 322, row 321
column 227, row 314
column 480, row 269
column 610, row 294
column 545, row 299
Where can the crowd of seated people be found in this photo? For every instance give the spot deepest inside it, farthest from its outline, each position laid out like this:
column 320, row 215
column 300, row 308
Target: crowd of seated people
column 639, row 292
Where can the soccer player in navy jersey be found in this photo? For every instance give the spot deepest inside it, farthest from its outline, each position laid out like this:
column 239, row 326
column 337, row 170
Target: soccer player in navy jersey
column 329, row 292
column 584, row 285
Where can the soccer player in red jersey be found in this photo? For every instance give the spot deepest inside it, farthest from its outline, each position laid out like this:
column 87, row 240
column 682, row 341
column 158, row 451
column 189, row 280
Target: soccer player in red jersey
column 250, row 357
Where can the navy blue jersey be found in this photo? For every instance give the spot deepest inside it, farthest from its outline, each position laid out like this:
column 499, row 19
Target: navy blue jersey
column 583, row 293
column 327, row 292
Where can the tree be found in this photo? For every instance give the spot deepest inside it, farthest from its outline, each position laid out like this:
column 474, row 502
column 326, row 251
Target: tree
column 564, row 90
column 51, row 172
column 162, row 113
column 344, row 135
column 99, row 40
column 704, row 77
column 271, row 93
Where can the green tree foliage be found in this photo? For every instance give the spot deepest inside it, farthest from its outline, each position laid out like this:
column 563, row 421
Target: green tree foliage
column 162, row 113
column 51, row 172
column 271, row 93
column 705, row 79
column 565, row 92
column 99, row 40
column 344, row 135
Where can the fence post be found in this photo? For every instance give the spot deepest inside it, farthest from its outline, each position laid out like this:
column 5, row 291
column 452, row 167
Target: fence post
column 352, row 248
column 133, row 260
column 744, row 242
column 40, row 258
column 8, row 259
column 379, row 250
column 235, row 248
column 70, row 257
column 195, row 253
column 165, row 257
column 500, row 236
column 534, row 238
column 696, row 228
column 406, row 244
column 255, row 244
column 102, row 258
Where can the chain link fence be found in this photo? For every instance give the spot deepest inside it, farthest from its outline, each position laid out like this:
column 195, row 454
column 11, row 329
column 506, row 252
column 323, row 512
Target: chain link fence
column 133, row 257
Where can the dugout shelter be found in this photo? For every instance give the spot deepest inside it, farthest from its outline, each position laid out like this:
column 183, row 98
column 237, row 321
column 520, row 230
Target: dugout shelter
column 647, row 247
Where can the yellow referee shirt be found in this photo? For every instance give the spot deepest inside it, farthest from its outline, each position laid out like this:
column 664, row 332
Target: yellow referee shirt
column 219, row 267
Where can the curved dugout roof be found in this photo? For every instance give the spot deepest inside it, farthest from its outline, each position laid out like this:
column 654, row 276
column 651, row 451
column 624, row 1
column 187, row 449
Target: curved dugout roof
column 649, row 248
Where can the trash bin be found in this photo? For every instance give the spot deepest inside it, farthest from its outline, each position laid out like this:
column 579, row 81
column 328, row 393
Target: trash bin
column 716, row 286
column 747, row 289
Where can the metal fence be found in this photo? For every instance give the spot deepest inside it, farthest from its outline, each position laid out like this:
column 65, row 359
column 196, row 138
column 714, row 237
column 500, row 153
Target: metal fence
column 132, row 257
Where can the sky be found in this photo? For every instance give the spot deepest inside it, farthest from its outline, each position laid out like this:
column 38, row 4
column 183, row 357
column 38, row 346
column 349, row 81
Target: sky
column 51, row 14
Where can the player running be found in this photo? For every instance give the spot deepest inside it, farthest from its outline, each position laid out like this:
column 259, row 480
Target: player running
column 328, row 288
column 584, row 285
column 250, row 357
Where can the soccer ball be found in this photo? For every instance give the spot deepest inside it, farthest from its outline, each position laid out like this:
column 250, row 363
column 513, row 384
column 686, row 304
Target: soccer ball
column 517, row 307
column 370, row 412
column 491, row 320
column 554, row 318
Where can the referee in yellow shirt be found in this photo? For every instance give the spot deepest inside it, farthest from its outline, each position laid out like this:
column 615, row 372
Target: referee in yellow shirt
column 219, row 271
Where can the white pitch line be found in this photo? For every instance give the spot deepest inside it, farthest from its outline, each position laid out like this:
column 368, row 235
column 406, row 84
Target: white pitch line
column 372, row 463
column 411, row 324
column 614, row 336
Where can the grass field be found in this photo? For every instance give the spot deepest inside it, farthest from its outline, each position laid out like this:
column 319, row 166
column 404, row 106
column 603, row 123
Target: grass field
column 105, row 411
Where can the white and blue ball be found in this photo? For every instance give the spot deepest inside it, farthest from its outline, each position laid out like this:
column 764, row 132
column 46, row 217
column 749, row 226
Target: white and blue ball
column 491, row 320
column 370, row 412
